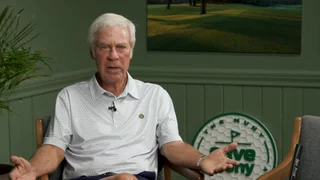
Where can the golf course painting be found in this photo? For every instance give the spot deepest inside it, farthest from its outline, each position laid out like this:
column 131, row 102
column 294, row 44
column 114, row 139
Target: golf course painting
column 233, row 26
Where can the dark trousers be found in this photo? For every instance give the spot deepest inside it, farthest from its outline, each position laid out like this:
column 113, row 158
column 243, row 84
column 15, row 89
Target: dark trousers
column 145, row 175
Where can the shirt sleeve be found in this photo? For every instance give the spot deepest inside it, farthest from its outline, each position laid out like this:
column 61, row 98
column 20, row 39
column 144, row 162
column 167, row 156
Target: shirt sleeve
column 167, row 128
column 59, row 130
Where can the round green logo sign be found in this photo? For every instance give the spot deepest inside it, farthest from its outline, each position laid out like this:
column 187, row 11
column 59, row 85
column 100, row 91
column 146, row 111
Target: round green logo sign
column 256, row 151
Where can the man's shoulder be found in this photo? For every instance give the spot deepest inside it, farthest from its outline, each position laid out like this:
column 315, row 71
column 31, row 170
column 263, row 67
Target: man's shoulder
column 147, row 89
column 147, row 85
column 76, row 87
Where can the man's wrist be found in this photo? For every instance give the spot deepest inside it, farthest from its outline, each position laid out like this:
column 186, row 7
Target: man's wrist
column 199, row 163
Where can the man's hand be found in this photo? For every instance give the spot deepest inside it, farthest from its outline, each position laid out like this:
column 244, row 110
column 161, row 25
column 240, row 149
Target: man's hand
column 217, row 161
column 23, row 169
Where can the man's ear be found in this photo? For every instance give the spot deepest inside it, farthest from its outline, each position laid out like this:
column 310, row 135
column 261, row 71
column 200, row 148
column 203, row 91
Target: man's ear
column 92, row 54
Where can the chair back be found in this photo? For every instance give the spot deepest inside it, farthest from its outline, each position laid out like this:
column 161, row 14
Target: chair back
column 310, row 140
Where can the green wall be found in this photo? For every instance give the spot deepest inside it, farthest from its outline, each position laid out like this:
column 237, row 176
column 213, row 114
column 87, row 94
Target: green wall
column 272, row 88
column 63, row 27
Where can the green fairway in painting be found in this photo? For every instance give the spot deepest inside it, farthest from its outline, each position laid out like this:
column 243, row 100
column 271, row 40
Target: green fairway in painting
column 225, row 28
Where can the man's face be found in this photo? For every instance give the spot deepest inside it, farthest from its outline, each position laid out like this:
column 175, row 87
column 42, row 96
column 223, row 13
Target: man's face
column 112, row 54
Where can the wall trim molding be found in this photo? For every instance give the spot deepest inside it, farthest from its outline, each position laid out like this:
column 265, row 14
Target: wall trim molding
column 283, row 78
column 50, row 84
column 286, row 78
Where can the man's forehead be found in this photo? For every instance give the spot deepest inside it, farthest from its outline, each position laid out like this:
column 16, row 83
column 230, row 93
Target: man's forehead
column 113, row 33
column 114, row 29
column 106, row 42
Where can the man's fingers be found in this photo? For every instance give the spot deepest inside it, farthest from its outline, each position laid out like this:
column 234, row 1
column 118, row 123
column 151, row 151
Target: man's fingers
column 219, row 169
column 230, row 147
column 25, row 164
column 15, row 160
column 21, row 164
column 24, row 161
column 230, row 166
column 211, row 173
column 233, row 162
column 14, row 174
column 223, row 168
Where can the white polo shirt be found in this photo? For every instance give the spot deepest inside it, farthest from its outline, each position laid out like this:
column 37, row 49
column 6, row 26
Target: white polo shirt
column 97, row 140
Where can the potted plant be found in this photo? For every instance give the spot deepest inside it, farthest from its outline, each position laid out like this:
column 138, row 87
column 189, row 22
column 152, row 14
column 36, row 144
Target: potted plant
column 18, row 61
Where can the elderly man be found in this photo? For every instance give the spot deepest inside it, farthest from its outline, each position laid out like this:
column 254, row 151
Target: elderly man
column 112, row 125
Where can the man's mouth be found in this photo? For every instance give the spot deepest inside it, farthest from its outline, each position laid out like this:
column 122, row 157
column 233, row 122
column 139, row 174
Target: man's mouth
column 113, row 69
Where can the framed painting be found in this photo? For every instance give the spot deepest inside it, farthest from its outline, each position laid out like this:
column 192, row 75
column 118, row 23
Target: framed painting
column 240, row 26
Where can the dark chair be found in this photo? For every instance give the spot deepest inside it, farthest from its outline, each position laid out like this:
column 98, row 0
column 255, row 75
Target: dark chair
column 306, row 132
column 4, row 170
column 164, row 174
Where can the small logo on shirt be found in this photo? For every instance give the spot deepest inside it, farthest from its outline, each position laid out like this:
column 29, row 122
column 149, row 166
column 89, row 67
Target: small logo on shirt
column 141, row 116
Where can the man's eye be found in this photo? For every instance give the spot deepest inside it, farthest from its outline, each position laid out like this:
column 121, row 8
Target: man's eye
column 122, row 47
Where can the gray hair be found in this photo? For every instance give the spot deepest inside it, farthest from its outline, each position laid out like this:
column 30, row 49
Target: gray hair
column 108, row 20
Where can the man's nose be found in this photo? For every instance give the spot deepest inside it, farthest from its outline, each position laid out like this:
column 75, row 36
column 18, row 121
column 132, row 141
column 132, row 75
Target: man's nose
column 113, row 54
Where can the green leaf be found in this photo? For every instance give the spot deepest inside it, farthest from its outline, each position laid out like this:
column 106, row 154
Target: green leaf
column 18, row 61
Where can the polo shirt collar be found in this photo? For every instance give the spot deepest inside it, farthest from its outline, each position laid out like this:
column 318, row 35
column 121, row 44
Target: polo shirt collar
column 131, row 88
column 97, row 91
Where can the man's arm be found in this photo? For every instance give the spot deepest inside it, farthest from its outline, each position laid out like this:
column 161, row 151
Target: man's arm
column 45, row 160
column 182, row 154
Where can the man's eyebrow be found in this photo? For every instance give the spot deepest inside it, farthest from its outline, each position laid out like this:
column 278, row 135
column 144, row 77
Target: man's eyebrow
column 101, row 44
column 122, row 44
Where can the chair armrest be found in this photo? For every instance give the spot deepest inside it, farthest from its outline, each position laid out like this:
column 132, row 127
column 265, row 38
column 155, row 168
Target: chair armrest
column 284, row 168
column 190, row 174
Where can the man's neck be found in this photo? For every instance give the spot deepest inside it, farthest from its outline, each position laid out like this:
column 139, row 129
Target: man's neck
column 114, row 88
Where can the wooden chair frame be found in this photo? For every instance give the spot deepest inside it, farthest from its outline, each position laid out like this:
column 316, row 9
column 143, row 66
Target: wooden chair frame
column 283, row 169
column 187, row 173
